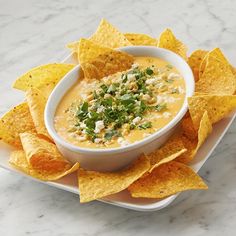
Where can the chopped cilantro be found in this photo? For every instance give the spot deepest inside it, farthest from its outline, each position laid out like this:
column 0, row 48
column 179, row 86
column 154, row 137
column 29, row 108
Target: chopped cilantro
column 149, row 71
column 104, row 88
column 111, row 133
column 161, row 107
column 120, row 104
column 145, row 125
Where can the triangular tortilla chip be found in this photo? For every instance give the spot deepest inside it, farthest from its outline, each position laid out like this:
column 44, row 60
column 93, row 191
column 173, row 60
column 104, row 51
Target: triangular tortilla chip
column 141, row 39
column 97, row 61
column 168, row 152
column 106, row 35
column 42, row 76
column 14, row 122
column 43, row 155
column 217, row 106
column 217, row 53
column 19, row 161
column 217, row 76
column 166, row 180
column 188, row 128
column 193, row 145
column 195, row 61
column 37, row 102
column 94, row 185
column 168, row 41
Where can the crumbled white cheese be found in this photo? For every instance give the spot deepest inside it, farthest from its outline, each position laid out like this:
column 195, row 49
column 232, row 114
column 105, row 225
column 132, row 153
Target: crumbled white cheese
column 122, row 142
column 107, row 95
column 166, row 98
column 100, row 109
column 81, row 138
column 173, row 76
column 166, row 114
column 131, row 77
column 136, row 120
column 83, row 125
column 146, row 97
column 150, row 81
column 57, row 118
column 155, row 116
column 99, row 125
column 157, row 77
column 181, row 90
column 97, row 140
column 160, row 99
column 170, row 99
column 135, row 65
column 83, row 96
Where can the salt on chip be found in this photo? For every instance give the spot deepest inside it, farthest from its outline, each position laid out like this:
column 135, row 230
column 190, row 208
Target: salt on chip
column 168, row 152
column 43, row 155
column 168, row 41
column 217, row 107
column 37, row 102
column 168, row 179
column 217, row 77
column 94, row 185
column 195, row 61
column 14, row 122
column 42, row 76
column 106, row 35
column 19, row 161
column 193, row 145
column 141, row 39
column 98, row 62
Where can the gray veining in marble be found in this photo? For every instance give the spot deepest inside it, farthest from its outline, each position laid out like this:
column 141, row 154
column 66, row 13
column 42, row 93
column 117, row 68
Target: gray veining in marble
column 33, row 32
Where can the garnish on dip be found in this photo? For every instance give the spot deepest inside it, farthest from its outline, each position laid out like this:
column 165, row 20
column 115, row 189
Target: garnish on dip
column 118, row 104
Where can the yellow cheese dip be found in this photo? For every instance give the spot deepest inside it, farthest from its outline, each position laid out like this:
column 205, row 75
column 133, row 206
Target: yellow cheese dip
column 122, row 108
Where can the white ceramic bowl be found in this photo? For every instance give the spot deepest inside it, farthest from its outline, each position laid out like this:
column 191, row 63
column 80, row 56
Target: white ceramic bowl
column 116, row 158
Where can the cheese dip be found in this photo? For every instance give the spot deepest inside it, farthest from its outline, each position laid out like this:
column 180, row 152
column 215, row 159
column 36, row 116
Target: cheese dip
column 122, row 108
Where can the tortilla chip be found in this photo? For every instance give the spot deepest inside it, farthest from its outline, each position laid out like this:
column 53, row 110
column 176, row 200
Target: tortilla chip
column 94, row 185
column 217, row 53
column 168, row 152
column 19, row 161
column 217, row 77
column 193, row 145
column 217, row 106
column 37, row 102
column 166, row 180
column 168, row 41
column 205, row 129
column 106, row 35
column 42, row 76
column 42, row 155
column 188, row 128
column 195, row 61
column 141, row 39
column 190, row 145
column 97, row 61
column 14, row 122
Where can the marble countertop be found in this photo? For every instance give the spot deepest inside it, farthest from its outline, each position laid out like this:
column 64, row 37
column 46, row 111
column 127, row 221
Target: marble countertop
column 34, row 32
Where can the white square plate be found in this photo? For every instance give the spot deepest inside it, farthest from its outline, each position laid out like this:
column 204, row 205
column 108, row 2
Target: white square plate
column 123, row 199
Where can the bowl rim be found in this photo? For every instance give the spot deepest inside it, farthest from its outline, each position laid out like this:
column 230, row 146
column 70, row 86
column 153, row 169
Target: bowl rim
column 61, row 141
